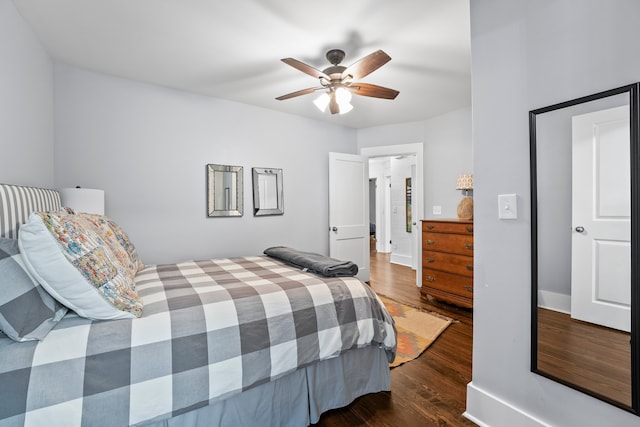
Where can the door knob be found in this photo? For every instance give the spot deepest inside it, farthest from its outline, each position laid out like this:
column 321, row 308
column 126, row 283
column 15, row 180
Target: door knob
column 334, row 229
column 580, row 229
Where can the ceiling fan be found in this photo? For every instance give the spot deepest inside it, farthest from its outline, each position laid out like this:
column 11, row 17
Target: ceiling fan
column 340, row 81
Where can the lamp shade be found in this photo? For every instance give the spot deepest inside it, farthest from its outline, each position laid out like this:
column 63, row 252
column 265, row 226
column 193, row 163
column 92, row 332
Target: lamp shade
column 341, row 97
column 465, row 182
column 322, row 102
column 87, row 200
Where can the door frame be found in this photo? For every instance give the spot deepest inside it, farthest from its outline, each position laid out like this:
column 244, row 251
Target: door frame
column 417, row 192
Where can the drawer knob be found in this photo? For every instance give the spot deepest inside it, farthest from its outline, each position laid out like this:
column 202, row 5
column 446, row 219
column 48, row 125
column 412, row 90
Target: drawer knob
column 468, row 288
column 430, row 227
column 431, row 279
column 469, row 267
column 431, row 242
column 468, row 245
column 470, row 229
column 431, row 260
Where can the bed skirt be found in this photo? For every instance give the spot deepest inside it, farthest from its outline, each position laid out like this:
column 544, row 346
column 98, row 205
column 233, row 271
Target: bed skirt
column 299, row 398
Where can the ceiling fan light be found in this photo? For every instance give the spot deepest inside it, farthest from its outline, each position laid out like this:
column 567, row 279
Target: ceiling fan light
column 322, row 102
column 345, row 107
column 343, row 96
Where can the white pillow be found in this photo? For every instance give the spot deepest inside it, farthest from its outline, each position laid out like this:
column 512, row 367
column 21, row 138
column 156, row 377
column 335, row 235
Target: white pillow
column 76, row 267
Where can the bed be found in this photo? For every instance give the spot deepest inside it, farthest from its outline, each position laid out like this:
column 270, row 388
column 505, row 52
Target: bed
column 248, row 341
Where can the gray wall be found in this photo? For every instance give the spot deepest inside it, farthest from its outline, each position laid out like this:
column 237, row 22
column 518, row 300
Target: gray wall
column 147, row 147
column 527, row 55
column 26, row 104
column 447, row 153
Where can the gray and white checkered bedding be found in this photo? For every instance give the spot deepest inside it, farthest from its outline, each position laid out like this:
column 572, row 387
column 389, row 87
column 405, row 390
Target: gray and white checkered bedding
column 209, row 330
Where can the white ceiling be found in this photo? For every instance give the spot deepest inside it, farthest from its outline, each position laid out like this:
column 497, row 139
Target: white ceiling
column 232, row 49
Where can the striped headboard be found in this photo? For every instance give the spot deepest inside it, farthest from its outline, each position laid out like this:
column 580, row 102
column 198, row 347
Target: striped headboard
column 18, row 202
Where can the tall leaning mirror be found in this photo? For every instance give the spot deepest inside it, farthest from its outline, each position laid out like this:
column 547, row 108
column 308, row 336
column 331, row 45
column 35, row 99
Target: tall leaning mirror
column 584, row 193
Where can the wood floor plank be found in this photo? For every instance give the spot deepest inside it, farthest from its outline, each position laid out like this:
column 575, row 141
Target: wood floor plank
column 579, row 360
column 428, row 391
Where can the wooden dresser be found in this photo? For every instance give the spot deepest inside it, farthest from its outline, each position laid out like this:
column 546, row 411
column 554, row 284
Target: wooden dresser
column 447, row 260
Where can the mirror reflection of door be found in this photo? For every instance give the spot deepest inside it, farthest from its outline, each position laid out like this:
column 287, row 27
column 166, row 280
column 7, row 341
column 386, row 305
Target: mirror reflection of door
column 581, row 251
column 601, row 242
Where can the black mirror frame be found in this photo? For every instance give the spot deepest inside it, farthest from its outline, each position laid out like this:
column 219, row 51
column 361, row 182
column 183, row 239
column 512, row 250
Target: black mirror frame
column 633, row 91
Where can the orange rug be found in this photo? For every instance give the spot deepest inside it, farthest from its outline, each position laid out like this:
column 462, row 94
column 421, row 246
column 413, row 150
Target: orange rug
column 417, row 330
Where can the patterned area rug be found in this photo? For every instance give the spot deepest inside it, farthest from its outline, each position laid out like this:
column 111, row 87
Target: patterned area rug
column 417, row 330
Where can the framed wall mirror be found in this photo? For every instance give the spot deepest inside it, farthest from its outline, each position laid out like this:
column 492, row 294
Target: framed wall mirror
column 584, row 222
column 224, row 190
column 267, row 192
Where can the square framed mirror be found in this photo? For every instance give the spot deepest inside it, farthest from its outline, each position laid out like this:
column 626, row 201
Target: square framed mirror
column 224, row 190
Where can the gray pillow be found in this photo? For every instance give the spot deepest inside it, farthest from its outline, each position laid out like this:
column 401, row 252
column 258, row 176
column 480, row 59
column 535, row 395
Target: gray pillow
column 27, row 311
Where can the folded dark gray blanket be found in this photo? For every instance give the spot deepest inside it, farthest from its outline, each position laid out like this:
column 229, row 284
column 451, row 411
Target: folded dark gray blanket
column 316, row 263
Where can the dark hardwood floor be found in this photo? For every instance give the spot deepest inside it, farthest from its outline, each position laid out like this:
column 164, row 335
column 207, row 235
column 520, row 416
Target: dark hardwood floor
column 573, row 351
column 428, row 391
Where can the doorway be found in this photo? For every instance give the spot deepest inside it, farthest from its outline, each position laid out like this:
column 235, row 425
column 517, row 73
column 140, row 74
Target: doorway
column 391, row 216
column 391, row 209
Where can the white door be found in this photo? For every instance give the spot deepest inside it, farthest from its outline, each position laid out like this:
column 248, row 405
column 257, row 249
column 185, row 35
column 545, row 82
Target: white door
column 601, row 235
column 349, row 210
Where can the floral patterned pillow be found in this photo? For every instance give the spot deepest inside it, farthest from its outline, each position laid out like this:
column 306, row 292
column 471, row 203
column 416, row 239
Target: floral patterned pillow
column 118, row 241
column 78, row 267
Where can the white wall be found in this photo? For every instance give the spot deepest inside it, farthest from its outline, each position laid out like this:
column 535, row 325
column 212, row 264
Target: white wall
column 447, row 153
column 147, row 147
column 527, row 55
column 26, row 104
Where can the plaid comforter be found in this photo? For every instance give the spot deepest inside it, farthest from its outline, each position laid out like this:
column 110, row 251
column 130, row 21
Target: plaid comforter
column 209, row 330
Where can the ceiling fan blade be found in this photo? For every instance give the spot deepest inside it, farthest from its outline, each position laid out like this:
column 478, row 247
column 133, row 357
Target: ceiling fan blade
column 374, row 91
column 299, row 92
column 308, row 69
column 366, row 65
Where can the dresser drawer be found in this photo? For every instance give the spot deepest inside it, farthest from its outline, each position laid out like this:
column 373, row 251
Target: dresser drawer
column 448, row 227
column 447, row 282
column 452, row 243
column 447, row 261
column 457, row 264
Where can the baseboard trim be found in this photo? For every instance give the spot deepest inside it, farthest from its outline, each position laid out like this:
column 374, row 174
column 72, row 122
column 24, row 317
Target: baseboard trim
column 487, row 410
column 401, row 259
column 554, row 301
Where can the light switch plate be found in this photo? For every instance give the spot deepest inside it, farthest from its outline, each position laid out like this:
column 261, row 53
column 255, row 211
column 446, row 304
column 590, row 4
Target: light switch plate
column 507, row 206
